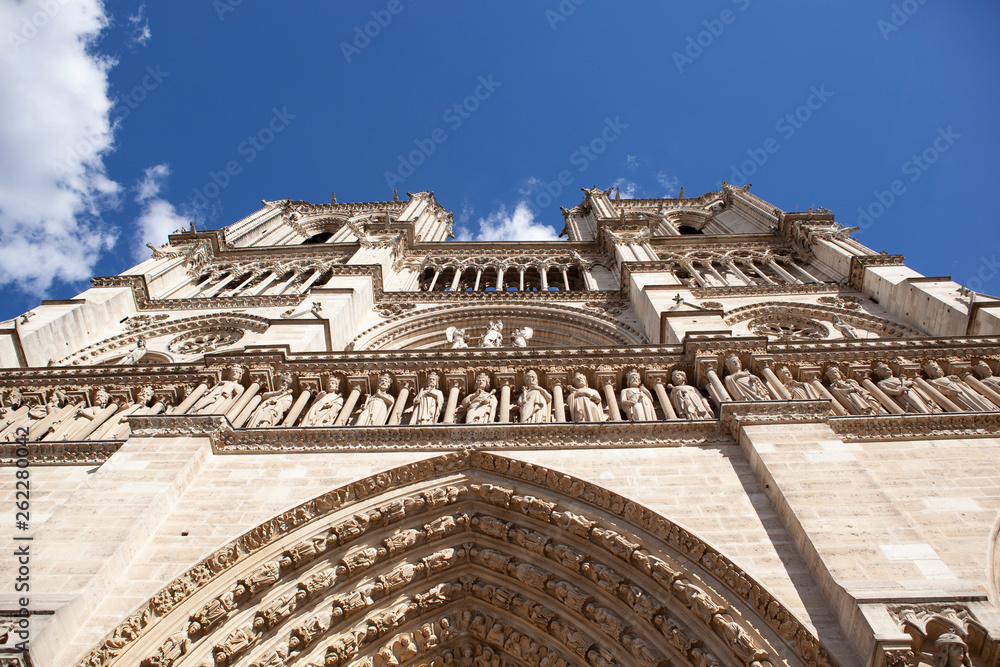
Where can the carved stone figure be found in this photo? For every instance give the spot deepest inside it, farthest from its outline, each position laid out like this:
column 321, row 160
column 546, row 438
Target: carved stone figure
column 327, row 406
column 851, row 393
column 687, row 401
column 985, row 375
column 481, row 405
column 493, row 336
column 743, row 385
column 955, row 390
column 951, row 651
column 275, row 612
column 306, row 633
column 637, row 399
column 738, row 638
column 274, row 405
column 213, row 612
column 535, row 403
column 376, row 408
column 221, row 394
column 584, row 403
column 905, row 390
column 136, row 354
column 263, row 577
column 845, row 329
column 521, row 336
column 644, row 653
column 239, row 641
column 800, row 391
column 429, row 402
column 696, row 600
column 456, row 337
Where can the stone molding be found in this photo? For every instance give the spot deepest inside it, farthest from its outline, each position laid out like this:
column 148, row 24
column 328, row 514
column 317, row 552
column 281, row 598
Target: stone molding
column 861, row 262
column 713, row 598
column 852, row 316
column 736, row 414
column 61, row 453
column 911, row 426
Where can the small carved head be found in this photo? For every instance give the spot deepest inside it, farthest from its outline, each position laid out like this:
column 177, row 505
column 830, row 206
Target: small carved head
column 483, row 381
column 833, row 374
column 236, row 373
column 982, row 370
column 146, row 394
column 950, row 650
column 579, row 380
column 933, row 370
column 433, row 380
column 679, row 378
column 102, row 397
column 634, row 379
column 385, row 382
column 733, row 364
column 15, row 397
column 332, row 384
column 882, row 371
column 531, row 379
column 784, row 374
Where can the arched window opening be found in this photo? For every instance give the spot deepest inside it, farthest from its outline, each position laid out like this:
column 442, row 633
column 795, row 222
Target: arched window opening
column 688, row 230
column 322, row 237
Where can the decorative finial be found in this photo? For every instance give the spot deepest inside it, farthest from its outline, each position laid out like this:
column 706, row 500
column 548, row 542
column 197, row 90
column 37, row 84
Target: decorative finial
column 333, row 197
column 682, row 192
column 395, row 195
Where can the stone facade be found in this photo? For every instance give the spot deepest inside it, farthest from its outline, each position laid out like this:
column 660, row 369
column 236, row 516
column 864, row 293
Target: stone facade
column 699, row 431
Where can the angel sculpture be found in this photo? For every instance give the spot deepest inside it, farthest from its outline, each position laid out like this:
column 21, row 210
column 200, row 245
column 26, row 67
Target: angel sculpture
column 456, row 337
column 493, row 336
column 521, row 336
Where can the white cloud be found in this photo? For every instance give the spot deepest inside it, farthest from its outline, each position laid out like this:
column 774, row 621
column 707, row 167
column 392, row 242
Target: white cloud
column 139, row 32
column 54, row 135
column 627, row 188
column 502, row 225
column 632, row 161
column 159, row 218
column 670, row 184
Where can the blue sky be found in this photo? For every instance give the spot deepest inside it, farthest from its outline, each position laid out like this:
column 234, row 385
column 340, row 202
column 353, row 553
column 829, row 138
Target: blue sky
column 121, row 120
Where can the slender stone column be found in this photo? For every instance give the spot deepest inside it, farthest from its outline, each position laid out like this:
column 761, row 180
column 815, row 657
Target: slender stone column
column 716, row 388
column 40, row 428
column 735, row 269
column 437, row 274
column 890, row 405
column 715, row 272
column 296, row 410
column 308, row 283
column 792, row 280
column 265, row 284
column 660, row 390
column 479, row 275
column 982, row 388
column 454, row 384
column 558, row 403
column 565, row 279
column 544, row 273
column 406, row 385
column 245, row 399
column 937, row 396
column 500, row 285
column 607, row 382
column 589, row 282
column 191, row 399
column 775, row 382
column 522, row 279
column 506, row 382
column 245, row 413
column 458, row 277
column 356, row 384
column 838, row 407
column 760, row 273
column 89, row 429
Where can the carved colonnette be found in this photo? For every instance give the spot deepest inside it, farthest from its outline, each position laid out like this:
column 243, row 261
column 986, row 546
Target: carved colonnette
column 539, row 546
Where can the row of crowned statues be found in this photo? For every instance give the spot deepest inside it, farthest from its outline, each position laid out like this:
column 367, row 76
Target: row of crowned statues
column 63, row 416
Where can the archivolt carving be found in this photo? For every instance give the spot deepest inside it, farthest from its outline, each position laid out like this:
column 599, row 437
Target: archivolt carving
column 554, row 325
column 464, row 550
column 853, row 317
column 190, row 324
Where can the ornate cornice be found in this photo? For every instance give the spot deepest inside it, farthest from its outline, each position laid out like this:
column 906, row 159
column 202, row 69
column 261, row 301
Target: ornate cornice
column 735, row 415
column 861, row 262
column 764, row 290
column 61, row 453
column 918, row 426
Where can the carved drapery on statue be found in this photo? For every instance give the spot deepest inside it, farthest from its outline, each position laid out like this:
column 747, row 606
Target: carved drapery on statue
column 463, row 557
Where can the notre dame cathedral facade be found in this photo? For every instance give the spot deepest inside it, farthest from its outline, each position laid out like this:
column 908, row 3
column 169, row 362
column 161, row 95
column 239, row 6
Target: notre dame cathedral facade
column 700, row 431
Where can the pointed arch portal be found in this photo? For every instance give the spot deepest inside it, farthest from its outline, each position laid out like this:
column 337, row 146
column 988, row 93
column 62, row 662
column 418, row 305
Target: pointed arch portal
column 468, row 559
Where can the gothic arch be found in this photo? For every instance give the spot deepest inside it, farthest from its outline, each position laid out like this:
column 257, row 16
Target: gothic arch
column 554, row 325
column 115, row 346
column 857, row 318
column 463, row 552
